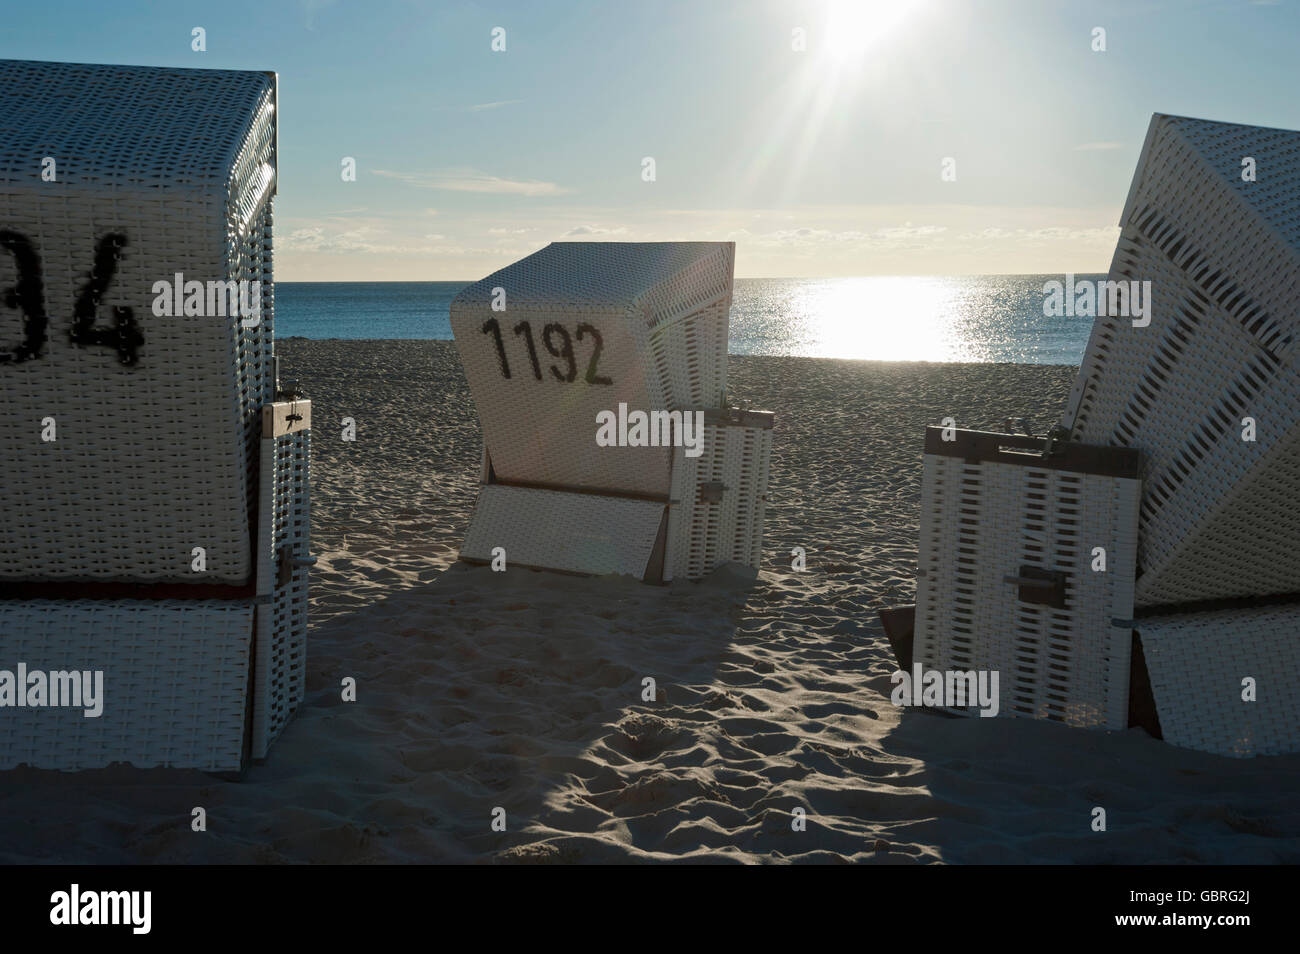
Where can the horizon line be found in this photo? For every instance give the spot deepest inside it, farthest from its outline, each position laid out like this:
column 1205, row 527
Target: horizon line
column 746, row 278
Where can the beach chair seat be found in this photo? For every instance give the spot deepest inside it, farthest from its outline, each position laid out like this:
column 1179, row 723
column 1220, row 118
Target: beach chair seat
column 1226, row 680
column 159, row 707
column 1012, row 579
column 713, row 515
column 156, row 500
column 1212, row 222
column 193, row 677
column 583, row 329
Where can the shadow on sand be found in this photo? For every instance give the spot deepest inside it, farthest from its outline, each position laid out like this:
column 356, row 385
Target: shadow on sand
column 475, row 692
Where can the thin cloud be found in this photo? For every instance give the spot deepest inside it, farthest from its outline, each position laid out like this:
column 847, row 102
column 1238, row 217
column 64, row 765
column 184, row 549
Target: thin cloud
column 473, row 181
column 580, row 230
column 310, row 8
column 476, row 107
column 363, row 241
column 479, row 107
column 1080, row 236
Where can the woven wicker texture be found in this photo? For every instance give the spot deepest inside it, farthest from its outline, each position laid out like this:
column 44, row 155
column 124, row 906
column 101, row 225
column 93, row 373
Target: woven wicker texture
column 575, row 532
column 707, row 533
column 1223, row 258
column 1197, row 662
column 684, row 509
column 164, row 640
column 715, row 514
column 981, row 522
column 159, row 457
column 658, row 312
column 161, row 708
column 284, row 532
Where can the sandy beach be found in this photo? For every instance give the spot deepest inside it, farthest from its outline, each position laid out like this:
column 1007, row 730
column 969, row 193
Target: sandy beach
column 522, row 691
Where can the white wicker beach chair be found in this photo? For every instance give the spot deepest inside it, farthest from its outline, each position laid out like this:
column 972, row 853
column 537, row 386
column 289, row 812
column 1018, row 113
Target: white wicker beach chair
column 1199, row 664
column 156, row 501
column 1167, row 392
column 1218, row 515
column 580, row 328
column 1007, row 581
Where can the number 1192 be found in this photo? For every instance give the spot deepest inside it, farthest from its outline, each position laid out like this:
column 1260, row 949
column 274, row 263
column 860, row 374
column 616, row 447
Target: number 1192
column 558, row 343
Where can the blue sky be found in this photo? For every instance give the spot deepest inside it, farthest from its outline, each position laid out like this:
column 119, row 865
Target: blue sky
column 823, row 161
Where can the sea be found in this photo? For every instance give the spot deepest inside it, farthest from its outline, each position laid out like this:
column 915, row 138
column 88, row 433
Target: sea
column 977, row 318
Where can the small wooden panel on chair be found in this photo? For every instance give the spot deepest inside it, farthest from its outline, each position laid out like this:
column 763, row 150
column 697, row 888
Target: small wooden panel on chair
column 285, row 417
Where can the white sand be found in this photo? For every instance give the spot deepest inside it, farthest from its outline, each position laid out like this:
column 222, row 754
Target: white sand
column 522, row 690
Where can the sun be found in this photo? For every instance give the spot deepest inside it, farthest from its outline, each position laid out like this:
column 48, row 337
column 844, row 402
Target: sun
column 853, row 27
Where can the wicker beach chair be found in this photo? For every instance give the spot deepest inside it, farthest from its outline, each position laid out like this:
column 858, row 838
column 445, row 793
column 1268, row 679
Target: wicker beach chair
column 1227, row 680
column 155, row 484
column 1202, row 660
column 1011, row 579
column 1221, row 250
column 578, row 329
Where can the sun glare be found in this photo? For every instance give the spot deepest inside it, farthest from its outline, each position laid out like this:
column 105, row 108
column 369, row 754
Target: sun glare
column 882, row 318
column 854, row 26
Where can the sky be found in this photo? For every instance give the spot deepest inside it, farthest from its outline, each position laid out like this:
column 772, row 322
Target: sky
column 825, row 137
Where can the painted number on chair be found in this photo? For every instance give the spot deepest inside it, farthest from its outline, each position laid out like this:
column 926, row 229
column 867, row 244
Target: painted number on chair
column 27, row 296
column 558, row 342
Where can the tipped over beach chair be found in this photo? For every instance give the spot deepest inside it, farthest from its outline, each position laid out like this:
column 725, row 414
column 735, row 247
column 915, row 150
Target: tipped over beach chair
column 1190, row 631
column 583, row 329
column 156, row 484
column 1213, row 222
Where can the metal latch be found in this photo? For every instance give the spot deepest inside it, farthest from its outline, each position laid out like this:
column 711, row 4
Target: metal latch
column 1046, row 587
column 287, row 563
column 712, row 491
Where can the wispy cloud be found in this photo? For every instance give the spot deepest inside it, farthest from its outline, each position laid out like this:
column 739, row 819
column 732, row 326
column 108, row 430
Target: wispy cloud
column 813, row 240
column 367, row 240
column 310, row 8
column 474, row 181
column 580, row 230
column 1104, row 236
column 479, row 107
column 476, row 107
column 806, row 236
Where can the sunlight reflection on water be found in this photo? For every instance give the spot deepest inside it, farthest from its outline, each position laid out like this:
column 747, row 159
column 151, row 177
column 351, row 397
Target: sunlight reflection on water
column 977, row 318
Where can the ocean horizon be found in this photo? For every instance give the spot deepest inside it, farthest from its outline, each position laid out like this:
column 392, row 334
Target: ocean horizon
column 972, row 318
